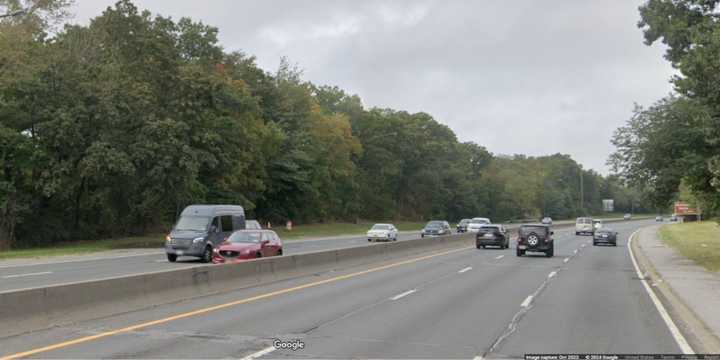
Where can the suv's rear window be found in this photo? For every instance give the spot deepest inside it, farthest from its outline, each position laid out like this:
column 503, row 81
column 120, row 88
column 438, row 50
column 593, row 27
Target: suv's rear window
column 489, row 228
column 525, row 230
column 584, row 221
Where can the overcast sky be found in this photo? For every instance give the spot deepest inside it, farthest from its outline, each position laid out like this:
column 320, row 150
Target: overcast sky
column 524, row 76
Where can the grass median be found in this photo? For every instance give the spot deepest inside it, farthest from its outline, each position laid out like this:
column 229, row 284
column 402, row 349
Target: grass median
column 698, row 241
column 155, row 241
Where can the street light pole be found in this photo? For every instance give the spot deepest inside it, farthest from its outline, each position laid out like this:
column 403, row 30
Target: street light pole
column 582, row 192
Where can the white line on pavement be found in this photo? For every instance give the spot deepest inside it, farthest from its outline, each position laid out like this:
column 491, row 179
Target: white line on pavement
column 582, row 245
column 679, row 338
column 566, row 260
column 28, row 274
column 527, row 301
column 499, row 257
column 400, row 296
column 575, row 251
column 552, row 274
column 465, row 269
column 260, row 353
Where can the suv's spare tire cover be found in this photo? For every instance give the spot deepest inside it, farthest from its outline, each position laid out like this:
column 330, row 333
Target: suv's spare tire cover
column 533, row 239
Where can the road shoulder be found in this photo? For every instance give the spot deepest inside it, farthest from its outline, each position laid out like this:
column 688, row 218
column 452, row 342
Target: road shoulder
column 689, row 292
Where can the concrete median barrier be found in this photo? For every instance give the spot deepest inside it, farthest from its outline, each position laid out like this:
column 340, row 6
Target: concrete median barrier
column 38, row 308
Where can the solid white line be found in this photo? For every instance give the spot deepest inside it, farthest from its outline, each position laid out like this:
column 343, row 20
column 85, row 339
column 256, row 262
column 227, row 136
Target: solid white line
column 464, row 270
column 674, row 331
column 566, row 260
column 499, row 257
column 400, row 296
column 527, row 301
column 260, row 353
column 29, row 274
column 552, row 274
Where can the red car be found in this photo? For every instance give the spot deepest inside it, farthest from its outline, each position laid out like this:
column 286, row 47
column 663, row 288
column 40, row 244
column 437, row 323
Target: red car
column 247, row 244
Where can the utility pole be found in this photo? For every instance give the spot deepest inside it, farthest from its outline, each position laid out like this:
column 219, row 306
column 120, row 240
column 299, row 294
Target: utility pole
column 582, row 193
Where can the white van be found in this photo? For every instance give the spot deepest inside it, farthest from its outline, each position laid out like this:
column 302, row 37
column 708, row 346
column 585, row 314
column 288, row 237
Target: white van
column 583, row 225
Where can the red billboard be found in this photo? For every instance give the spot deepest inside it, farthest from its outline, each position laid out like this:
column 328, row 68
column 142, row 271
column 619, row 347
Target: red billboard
column 682, row 208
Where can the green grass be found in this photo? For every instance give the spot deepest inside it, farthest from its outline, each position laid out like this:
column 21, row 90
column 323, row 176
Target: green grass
column 86, row 247
column 335, row 229
column 698, row 241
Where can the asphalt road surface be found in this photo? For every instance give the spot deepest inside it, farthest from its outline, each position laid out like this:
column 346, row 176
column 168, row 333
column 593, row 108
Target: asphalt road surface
column 457, row 304
column 43, row 273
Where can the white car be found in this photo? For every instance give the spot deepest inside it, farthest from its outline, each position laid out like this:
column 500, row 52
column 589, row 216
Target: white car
column 584, row 225
column 476, row 223
column 546, row 220
column 382, row 232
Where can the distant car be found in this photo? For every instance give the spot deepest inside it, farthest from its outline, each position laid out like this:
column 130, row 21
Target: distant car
column 476, row 223
column 492, row 235
column 382, row 232
column 535, row 238
column 583, row 225
column 252, row 225
column 248, row 244
column 462, row 225
column 436, row 228
column 597, row 224
column 658, row 218
column 627, row 217
column 673, row 218
column 605, row 236
column 546, row 220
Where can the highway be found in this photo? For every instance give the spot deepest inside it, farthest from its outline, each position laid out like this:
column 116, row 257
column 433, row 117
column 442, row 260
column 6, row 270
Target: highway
column 461, row 303
column 20, row 275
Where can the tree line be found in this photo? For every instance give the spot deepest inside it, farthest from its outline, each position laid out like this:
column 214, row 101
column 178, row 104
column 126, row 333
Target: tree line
column 112, row 128
column 672, row 148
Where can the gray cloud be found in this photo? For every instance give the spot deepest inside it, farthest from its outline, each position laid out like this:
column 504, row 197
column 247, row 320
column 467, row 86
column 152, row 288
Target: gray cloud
column 533, row 77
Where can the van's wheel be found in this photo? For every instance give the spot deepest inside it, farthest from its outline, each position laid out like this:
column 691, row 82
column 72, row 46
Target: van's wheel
column 258, row 254
column 279, row 252
column 207, row 255
column 171, row 257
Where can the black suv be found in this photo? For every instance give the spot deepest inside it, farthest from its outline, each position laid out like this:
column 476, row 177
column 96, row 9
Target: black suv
column 492, row 235
column 535, row 237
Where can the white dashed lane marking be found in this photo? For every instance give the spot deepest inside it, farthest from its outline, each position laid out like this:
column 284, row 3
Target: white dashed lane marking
column 527, row 301
column 566, row 260
column 499, row 257
column 552, row 274
column 464, row 270
column 400, row 296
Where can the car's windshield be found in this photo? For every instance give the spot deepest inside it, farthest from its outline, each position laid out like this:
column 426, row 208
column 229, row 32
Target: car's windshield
column 479, row 221
column 381, row 227
column 192, row 223
column 487, row 228
column 464, row 221
column 245, row 237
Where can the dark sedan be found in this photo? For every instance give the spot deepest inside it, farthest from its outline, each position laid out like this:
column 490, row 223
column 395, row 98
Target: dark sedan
column 462, row 225
column 605, row 236
column 492, row 235
column 247, row 244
